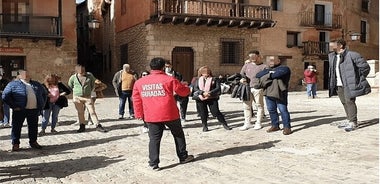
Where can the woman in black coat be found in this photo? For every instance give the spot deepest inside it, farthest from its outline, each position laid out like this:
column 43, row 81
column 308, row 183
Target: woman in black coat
column 206, row 93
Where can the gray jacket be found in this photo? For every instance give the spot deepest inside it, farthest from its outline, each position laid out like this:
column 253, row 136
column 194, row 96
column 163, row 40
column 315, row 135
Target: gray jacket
column 353, row 72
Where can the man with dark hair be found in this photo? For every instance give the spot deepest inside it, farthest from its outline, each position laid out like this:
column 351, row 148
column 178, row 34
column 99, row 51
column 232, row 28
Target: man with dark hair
column 183, row 101
column 347, row 79
column 27, row 98
column 154, row 103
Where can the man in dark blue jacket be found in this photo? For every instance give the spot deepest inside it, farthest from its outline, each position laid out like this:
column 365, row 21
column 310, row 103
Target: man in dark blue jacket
column 26, row 98
column 347, row 79
column 276, row 93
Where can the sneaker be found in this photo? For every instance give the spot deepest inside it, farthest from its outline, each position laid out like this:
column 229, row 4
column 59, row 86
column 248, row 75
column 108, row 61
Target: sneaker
column 35, row 145
column 243, row 128
column 100, row 128
column 286, row 131
column 189, row 158
column 6, row 125
column 257, row 127
column 155, row 168
column 205, row 129
column 121, row 117
column 350, row 127
column 339, row 123
column 16, row 147
column 53, row 131
column 343, row 124
column 145, row 130
column 132, row 117
column 42, row 132
column 273, row 129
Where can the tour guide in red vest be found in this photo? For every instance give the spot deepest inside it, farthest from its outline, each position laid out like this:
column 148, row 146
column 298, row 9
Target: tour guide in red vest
column 154, row 102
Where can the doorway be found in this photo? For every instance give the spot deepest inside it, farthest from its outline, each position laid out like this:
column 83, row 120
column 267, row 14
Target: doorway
column 183, row 62
column 9, row 65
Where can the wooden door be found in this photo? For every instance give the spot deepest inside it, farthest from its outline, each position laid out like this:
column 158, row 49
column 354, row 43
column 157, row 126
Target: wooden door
column 183, row 62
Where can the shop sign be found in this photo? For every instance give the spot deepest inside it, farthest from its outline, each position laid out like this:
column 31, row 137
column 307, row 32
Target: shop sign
column 11, row 50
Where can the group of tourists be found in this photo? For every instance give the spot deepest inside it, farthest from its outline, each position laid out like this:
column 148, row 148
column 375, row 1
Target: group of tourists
column 153, row 97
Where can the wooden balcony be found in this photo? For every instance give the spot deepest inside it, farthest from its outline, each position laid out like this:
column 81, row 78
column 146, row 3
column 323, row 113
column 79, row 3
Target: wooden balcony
column 31, row 27
column 330, row 21
column 200, row 12
column 314, row 48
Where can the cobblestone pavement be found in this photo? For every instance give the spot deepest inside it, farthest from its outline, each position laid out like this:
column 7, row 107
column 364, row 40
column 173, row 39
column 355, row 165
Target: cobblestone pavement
column 316, row 152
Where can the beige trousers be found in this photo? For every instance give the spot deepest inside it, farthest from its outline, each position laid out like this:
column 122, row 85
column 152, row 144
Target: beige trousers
column 81, row 103
column 256, row 99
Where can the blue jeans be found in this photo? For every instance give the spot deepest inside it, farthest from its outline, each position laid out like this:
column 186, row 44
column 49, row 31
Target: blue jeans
column 272, row 105
column 311, row 89
column 18, row 118
column 6, row 113
column 123, row 97
column 54, row 111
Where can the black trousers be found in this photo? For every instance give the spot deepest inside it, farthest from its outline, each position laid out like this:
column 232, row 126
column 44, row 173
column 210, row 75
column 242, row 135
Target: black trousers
column 183, row 103
column 349, row 106
column 155, row 134
column 214, row 108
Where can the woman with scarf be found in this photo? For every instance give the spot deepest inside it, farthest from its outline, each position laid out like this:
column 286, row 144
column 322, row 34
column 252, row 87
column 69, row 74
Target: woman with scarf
column 206, row 93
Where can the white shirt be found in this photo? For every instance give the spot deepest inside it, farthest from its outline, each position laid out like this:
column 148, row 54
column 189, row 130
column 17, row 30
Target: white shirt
column 31, row 99
column 337, row 71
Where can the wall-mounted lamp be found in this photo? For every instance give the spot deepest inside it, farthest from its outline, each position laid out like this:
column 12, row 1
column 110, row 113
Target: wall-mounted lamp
column 353, row 35
column 92, row 22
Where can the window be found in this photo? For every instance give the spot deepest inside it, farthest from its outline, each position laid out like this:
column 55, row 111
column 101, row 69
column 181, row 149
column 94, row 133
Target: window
column 231, row 51
column 365, row 5
column 363, row 31
column 124, row 54
column 292, row 39
column 123, row 7
column 276, row 5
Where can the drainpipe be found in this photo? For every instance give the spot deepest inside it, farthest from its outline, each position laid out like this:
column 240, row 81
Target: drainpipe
column 59, row 30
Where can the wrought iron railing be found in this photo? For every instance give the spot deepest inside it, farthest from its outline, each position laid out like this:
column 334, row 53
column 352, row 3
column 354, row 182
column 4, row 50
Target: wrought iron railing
column 314, row 48
column 333, row 21
column 30, row 25
column 212, row 9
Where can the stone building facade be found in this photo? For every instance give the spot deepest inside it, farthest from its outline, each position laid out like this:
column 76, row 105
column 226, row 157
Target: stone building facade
column 41, row 39
column 297, row 36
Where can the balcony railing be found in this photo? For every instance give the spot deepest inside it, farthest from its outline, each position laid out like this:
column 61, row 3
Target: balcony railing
column 214, row 13
column 332, row 21
column 30, row 26
column 314, row 48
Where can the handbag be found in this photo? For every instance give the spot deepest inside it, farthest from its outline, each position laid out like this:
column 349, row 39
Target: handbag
column 62, row 101
column 196, row 95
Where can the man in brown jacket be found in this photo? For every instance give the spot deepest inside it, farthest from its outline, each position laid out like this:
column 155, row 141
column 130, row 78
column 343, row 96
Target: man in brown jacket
column 123, row 82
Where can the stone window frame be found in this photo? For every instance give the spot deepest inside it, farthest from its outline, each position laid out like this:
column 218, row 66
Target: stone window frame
column 226, row 55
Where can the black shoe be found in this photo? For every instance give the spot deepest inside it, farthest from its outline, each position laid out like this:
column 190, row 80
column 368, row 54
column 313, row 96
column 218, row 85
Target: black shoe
column 35, row 145
column 155, row 168
column 205, row 129
column 82, row 128
column 100, row 128
column 225, row 126
column 189, row 158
